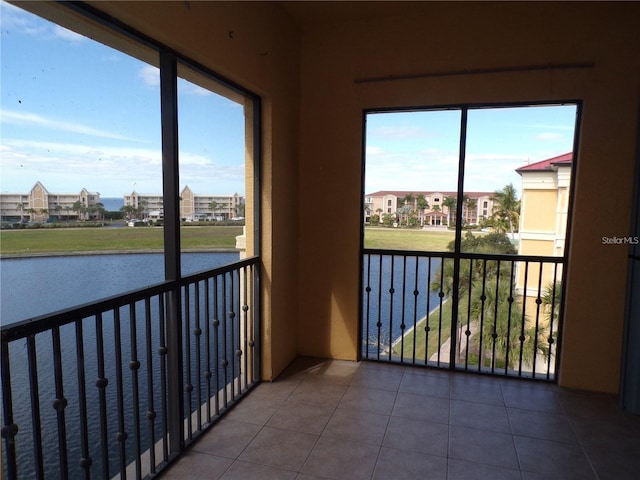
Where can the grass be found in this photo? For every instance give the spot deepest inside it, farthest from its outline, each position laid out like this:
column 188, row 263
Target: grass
column 421, row 338
column 69, row 240
column 407, row 239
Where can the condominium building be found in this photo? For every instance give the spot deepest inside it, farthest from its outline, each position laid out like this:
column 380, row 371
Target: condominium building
column 545, row 205
column 544, row 209
column 193, row 207
column 440, row 206
column 39, row 205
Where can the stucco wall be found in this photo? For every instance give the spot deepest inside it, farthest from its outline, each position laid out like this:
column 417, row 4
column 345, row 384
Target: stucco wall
column 458, row 36
column 313, row 125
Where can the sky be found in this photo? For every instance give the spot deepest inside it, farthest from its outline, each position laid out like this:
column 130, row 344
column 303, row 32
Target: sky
column 420, row 150
column 76, row 114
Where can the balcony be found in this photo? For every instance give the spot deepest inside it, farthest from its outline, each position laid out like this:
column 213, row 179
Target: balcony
column 369, row 420
column 123, row 385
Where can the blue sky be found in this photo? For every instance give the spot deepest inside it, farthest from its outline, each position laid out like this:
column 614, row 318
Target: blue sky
column 77, row 114
column 419, row 150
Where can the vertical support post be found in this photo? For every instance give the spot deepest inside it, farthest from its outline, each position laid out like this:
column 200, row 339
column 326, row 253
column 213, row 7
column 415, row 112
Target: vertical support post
column 458, row 241
column 171, row 200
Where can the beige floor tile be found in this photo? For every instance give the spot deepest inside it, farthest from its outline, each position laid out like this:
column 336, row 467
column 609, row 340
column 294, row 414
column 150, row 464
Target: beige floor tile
column 279, row 448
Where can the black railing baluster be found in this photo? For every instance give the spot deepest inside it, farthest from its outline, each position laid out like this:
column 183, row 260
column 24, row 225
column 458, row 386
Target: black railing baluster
column 216, row 345
column 121, row 436
column 416, row 292
column 402, row 315
column 427, row 323
column 524, row 318
column 85, row 460
column 391, row 293
column 207, row 345
column 232, row 316
column 379, row 324
column 245, row 314
column 367, row 315
column 197, row 333
column 510, row 300
column 538, row 307
column 552, row 314
column 101, row 385
column 151, row 413
column 496, row 301
column 60, row 403
column 34, row 390
column 162, row 351
column 483, row 298
column 225, row 341
column 134, row 366
column 441, row 303
column 467, row 332
column 9, row 429
column 188, row 387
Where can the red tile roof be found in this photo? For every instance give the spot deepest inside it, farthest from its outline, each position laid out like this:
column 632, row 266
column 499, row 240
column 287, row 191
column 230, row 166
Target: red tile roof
column 545, row 165
column 415, row 193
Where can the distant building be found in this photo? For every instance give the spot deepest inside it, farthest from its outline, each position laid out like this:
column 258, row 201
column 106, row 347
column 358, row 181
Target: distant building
column 38, row 205
column 439, row 211
column 193, row 207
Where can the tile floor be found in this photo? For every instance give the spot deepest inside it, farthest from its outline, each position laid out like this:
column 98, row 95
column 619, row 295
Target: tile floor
column 341, row 420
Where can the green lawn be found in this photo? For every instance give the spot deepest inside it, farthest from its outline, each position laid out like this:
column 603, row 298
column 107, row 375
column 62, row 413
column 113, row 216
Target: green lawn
column 437, row 325
column 62, row 240
column 407, row 239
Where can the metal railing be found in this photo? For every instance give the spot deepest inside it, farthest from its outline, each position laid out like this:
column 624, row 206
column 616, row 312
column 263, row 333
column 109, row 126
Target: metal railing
column 98, row 391
column 495, row 314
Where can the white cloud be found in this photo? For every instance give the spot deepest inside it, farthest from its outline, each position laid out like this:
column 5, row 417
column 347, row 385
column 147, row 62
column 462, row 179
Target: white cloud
column 400, row 132
column 374, row 150
column 112, row 171
column 68, row 35
column 188, row 88
column 150, row 75
column 35, row 120
column 550, row 137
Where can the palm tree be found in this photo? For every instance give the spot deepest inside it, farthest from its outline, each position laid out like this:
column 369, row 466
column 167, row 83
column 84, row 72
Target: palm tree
column 21, row 208
column 44, row 211
column 214, row 206
column 450, row 203
column 31, row 212
column 506, row 206
column 423, row 204
column 58, row 209
column 471, row 206
column 67, row 209
column 78, row 208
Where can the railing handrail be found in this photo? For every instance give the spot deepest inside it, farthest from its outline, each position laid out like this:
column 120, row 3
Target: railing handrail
column 474, row 255
column 42, row 323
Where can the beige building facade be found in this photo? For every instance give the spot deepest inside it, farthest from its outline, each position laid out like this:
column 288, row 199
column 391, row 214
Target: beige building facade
column 193, row 207
column 39, row 205
column 439, row 211
column 544, row 210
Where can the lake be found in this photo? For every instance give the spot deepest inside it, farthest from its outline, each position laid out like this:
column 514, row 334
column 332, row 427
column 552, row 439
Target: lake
column 39, row 285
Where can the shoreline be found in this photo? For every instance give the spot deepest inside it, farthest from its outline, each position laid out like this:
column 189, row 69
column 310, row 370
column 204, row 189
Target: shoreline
column 13, row 256
column 422, row 320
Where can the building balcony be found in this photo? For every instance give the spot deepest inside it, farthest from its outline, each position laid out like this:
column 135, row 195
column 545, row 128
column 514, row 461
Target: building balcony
column 368, row 420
